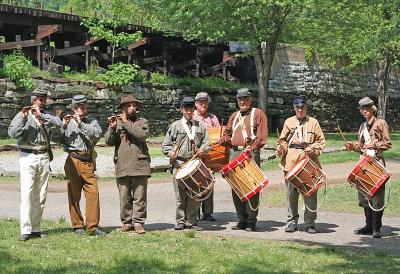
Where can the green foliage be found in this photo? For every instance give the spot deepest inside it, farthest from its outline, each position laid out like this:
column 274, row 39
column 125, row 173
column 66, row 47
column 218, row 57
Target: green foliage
column 197, row 84
column 121, row 74
column 18, row 68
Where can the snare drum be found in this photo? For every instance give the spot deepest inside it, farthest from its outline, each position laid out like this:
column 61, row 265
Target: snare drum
column 306, row 176
column 218, row 155
column 195, row 178
column 368, row 176
column 244, row 176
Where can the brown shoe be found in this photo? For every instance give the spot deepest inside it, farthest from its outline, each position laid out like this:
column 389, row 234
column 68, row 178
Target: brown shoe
column 126, row 228
column 139, row 229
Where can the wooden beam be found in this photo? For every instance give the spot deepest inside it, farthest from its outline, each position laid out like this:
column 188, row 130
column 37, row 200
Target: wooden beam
column 22, row 44
column 139, row 43
column 92, row 40
column 46, row 30
column 186, row 64
column 152, row 60
column 71, row 50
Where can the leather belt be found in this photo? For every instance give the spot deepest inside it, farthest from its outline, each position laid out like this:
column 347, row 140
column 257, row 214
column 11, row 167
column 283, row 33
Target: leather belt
column 238, row 148
column 34, row 151
column 80, row 155
column 296, row 146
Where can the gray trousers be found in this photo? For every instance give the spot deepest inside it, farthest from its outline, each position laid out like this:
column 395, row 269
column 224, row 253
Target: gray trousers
column 207, row 206
column 243, row 211
column 186, row 207
column 133, row 199
column 293, row 206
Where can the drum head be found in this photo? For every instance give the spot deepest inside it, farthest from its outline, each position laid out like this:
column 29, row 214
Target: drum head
column 187, row 169
column 297, row 168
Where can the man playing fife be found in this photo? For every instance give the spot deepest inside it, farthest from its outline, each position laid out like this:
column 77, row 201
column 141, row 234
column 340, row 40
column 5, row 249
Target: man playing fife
column 301, row 136
column 201, row 114
column 373, row 140
column 247, row 129
column 185, row 138
column 80, row 135
column 30, row 127
column 128, row 134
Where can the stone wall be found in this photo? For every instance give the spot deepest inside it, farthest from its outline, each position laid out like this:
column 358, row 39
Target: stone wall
column 332, row 95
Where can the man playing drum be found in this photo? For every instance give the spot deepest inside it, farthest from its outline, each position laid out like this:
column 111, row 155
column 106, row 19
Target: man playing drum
column 247, row 129
column 210, row 120
column 185, row 138
column 128, row 134
column 301, row 136
column 373, row 139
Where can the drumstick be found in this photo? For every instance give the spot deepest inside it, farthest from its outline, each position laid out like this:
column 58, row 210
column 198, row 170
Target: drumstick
column 222, row 126
column 341, row 133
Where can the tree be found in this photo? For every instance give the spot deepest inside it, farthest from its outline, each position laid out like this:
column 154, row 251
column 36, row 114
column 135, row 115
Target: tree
column 110, row 16
column 361, row 32
column 249, row 21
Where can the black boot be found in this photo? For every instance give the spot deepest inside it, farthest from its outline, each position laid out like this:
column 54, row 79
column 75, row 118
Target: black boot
column 377, row 223
column 367, row 229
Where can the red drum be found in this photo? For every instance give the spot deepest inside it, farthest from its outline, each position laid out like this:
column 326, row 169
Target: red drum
column 368, row 176
column 306, row 176
column 195, row 178
column 217, row 156
column 244, row 176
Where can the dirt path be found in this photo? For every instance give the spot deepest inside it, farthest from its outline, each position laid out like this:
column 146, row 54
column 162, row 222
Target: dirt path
column 336, row 229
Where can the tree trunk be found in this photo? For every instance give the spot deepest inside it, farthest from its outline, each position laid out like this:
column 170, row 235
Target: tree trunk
column 263, row 60
column 383, row 87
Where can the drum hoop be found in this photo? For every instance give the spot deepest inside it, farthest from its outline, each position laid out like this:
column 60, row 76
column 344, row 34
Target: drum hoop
column 193, row 171
column 303, row 163
column 254, row 191
column 236, row 161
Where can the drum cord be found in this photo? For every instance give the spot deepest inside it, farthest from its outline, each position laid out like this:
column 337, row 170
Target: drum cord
column 323, row 198
column 387, row 200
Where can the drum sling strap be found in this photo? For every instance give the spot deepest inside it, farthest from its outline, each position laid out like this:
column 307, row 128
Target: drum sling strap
column 239, row 122
column 367, row 139
column 189, row 134
column 303, row 137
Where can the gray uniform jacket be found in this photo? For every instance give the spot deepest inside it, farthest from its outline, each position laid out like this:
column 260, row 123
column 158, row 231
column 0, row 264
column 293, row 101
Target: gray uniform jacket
column 74, row 135
column 29, row 135
column 176, row 137
column 131, row 155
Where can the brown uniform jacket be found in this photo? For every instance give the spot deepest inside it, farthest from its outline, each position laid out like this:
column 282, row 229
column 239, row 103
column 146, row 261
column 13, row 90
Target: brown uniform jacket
column 131, row 155
column 260, row 131
column 379, row 133
column 313, row 137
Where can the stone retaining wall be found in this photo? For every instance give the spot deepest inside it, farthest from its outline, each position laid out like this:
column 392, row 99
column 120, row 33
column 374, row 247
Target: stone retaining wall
column 332, row 95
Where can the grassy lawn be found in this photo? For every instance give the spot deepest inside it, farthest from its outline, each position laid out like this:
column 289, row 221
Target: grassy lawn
column 339, row 198
column 168, row 252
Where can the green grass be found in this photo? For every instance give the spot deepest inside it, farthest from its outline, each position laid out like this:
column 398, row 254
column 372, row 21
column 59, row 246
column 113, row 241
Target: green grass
column 339, row 198
column 168, row 252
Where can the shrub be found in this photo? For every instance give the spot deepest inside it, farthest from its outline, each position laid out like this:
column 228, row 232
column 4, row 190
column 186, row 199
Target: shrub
column 18, row 68
column 122, row 74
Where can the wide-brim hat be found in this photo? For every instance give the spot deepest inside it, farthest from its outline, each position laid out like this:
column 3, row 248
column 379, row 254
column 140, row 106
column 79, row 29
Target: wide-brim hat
column 39, row 92
column 129, row 99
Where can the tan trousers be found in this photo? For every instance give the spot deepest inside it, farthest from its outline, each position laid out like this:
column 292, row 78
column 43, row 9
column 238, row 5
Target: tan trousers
column 34, row 175
column 80, row 176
